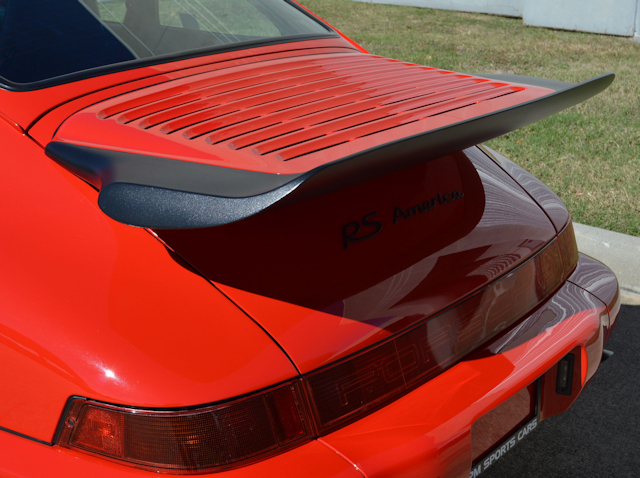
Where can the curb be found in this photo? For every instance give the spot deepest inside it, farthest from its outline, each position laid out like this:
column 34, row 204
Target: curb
column 620, row 252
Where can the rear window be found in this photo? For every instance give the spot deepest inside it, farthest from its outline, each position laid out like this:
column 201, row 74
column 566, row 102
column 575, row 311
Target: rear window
column 43, row 40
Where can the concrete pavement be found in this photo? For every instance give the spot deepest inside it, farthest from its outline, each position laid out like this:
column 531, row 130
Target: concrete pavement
column 598, row 436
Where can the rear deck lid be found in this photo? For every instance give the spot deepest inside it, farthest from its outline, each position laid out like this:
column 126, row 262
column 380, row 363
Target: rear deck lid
column 332, row 274
column 328, row 195
column 291, row 115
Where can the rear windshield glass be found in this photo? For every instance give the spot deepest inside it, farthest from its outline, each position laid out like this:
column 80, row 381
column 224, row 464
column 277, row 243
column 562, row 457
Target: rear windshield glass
column 44, row 39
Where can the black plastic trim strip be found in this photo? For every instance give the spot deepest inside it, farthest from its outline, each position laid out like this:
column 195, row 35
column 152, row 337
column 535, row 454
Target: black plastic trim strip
column 102, row 167
column 529, row 80
column 22, row 435
column 162, row 193
column 160, row 208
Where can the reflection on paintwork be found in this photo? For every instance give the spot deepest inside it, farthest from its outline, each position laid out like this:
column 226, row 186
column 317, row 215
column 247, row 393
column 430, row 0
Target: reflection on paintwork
column 427, row 431
column 116, row 318
column 337, row 301
column 545, row 197
column 567, row 302
column 598, row 279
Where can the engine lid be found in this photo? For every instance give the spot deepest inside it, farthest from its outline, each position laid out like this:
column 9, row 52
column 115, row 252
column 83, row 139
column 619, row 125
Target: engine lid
column 333, row 274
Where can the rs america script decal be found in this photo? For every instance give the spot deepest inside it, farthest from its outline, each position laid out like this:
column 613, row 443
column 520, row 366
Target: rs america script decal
column 371, row 227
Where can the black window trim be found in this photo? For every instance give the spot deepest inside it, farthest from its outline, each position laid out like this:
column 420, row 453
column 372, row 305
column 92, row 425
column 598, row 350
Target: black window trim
column 185, row 55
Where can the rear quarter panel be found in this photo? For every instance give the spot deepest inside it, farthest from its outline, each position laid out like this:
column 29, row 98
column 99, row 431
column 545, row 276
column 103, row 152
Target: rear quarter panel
column 94, row 308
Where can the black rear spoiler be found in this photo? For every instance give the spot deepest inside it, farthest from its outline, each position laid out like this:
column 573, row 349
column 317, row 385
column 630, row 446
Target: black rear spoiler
column 163, row 193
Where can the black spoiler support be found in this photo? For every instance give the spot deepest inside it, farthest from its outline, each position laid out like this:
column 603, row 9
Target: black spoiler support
column 163, row 193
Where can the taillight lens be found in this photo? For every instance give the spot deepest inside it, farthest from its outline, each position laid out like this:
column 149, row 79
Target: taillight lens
column 203, row 440
column 568, row 248
column 240, row 432
column 359, row 384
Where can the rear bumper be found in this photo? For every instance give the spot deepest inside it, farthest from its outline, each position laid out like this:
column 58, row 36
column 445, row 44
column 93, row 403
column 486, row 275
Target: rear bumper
column 428, row 431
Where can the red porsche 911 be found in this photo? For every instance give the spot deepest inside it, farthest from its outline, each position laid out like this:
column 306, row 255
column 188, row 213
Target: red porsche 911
column 236, row 243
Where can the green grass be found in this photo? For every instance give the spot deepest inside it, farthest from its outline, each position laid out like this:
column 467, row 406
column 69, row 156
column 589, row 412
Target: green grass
column 589, row 154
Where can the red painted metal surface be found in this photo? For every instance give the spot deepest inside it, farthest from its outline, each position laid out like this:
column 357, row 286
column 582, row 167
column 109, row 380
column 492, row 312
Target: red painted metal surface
column 376, row 90
column 345, row 390
column 94, row 308
column 598, row 279
column 428, row 432
column 288, row 115
column 412, row 359
column 568, row 249
column 545, row 197
column 26, row 107
column 98, row 309
column 69, row 101
column 11, row 123
column 405, row 438
column 322, row 302
column 27, row 459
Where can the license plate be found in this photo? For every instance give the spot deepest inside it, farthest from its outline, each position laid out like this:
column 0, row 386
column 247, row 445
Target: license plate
column 498, row 452
column 502, row 449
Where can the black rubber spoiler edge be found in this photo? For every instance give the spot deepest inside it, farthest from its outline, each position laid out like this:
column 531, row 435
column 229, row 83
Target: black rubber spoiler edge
column 163, row 193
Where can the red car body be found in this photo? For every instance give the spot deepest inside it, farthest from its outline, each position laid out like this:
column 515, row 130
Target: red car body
column 463, row 249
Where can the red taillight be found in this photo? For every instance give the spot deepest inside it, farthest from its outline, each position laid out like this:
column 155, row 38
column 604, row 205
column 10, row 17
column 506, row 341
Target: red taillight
column 568, row 248
column 203, row 440
column 102, row 430
column 355, row 386
column 240, row 432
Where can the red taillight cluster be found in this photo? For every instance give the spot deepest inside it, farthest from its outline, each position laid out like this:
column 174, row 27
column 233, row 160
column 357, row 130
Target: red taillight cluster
column 243, row 431
column 360, row 383
column 206, row 439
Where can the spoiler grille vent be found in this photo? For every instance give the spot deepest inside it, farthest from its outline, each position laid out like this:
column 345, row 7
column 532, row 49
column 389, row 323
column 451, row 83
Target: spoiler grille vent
column 285, row 110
